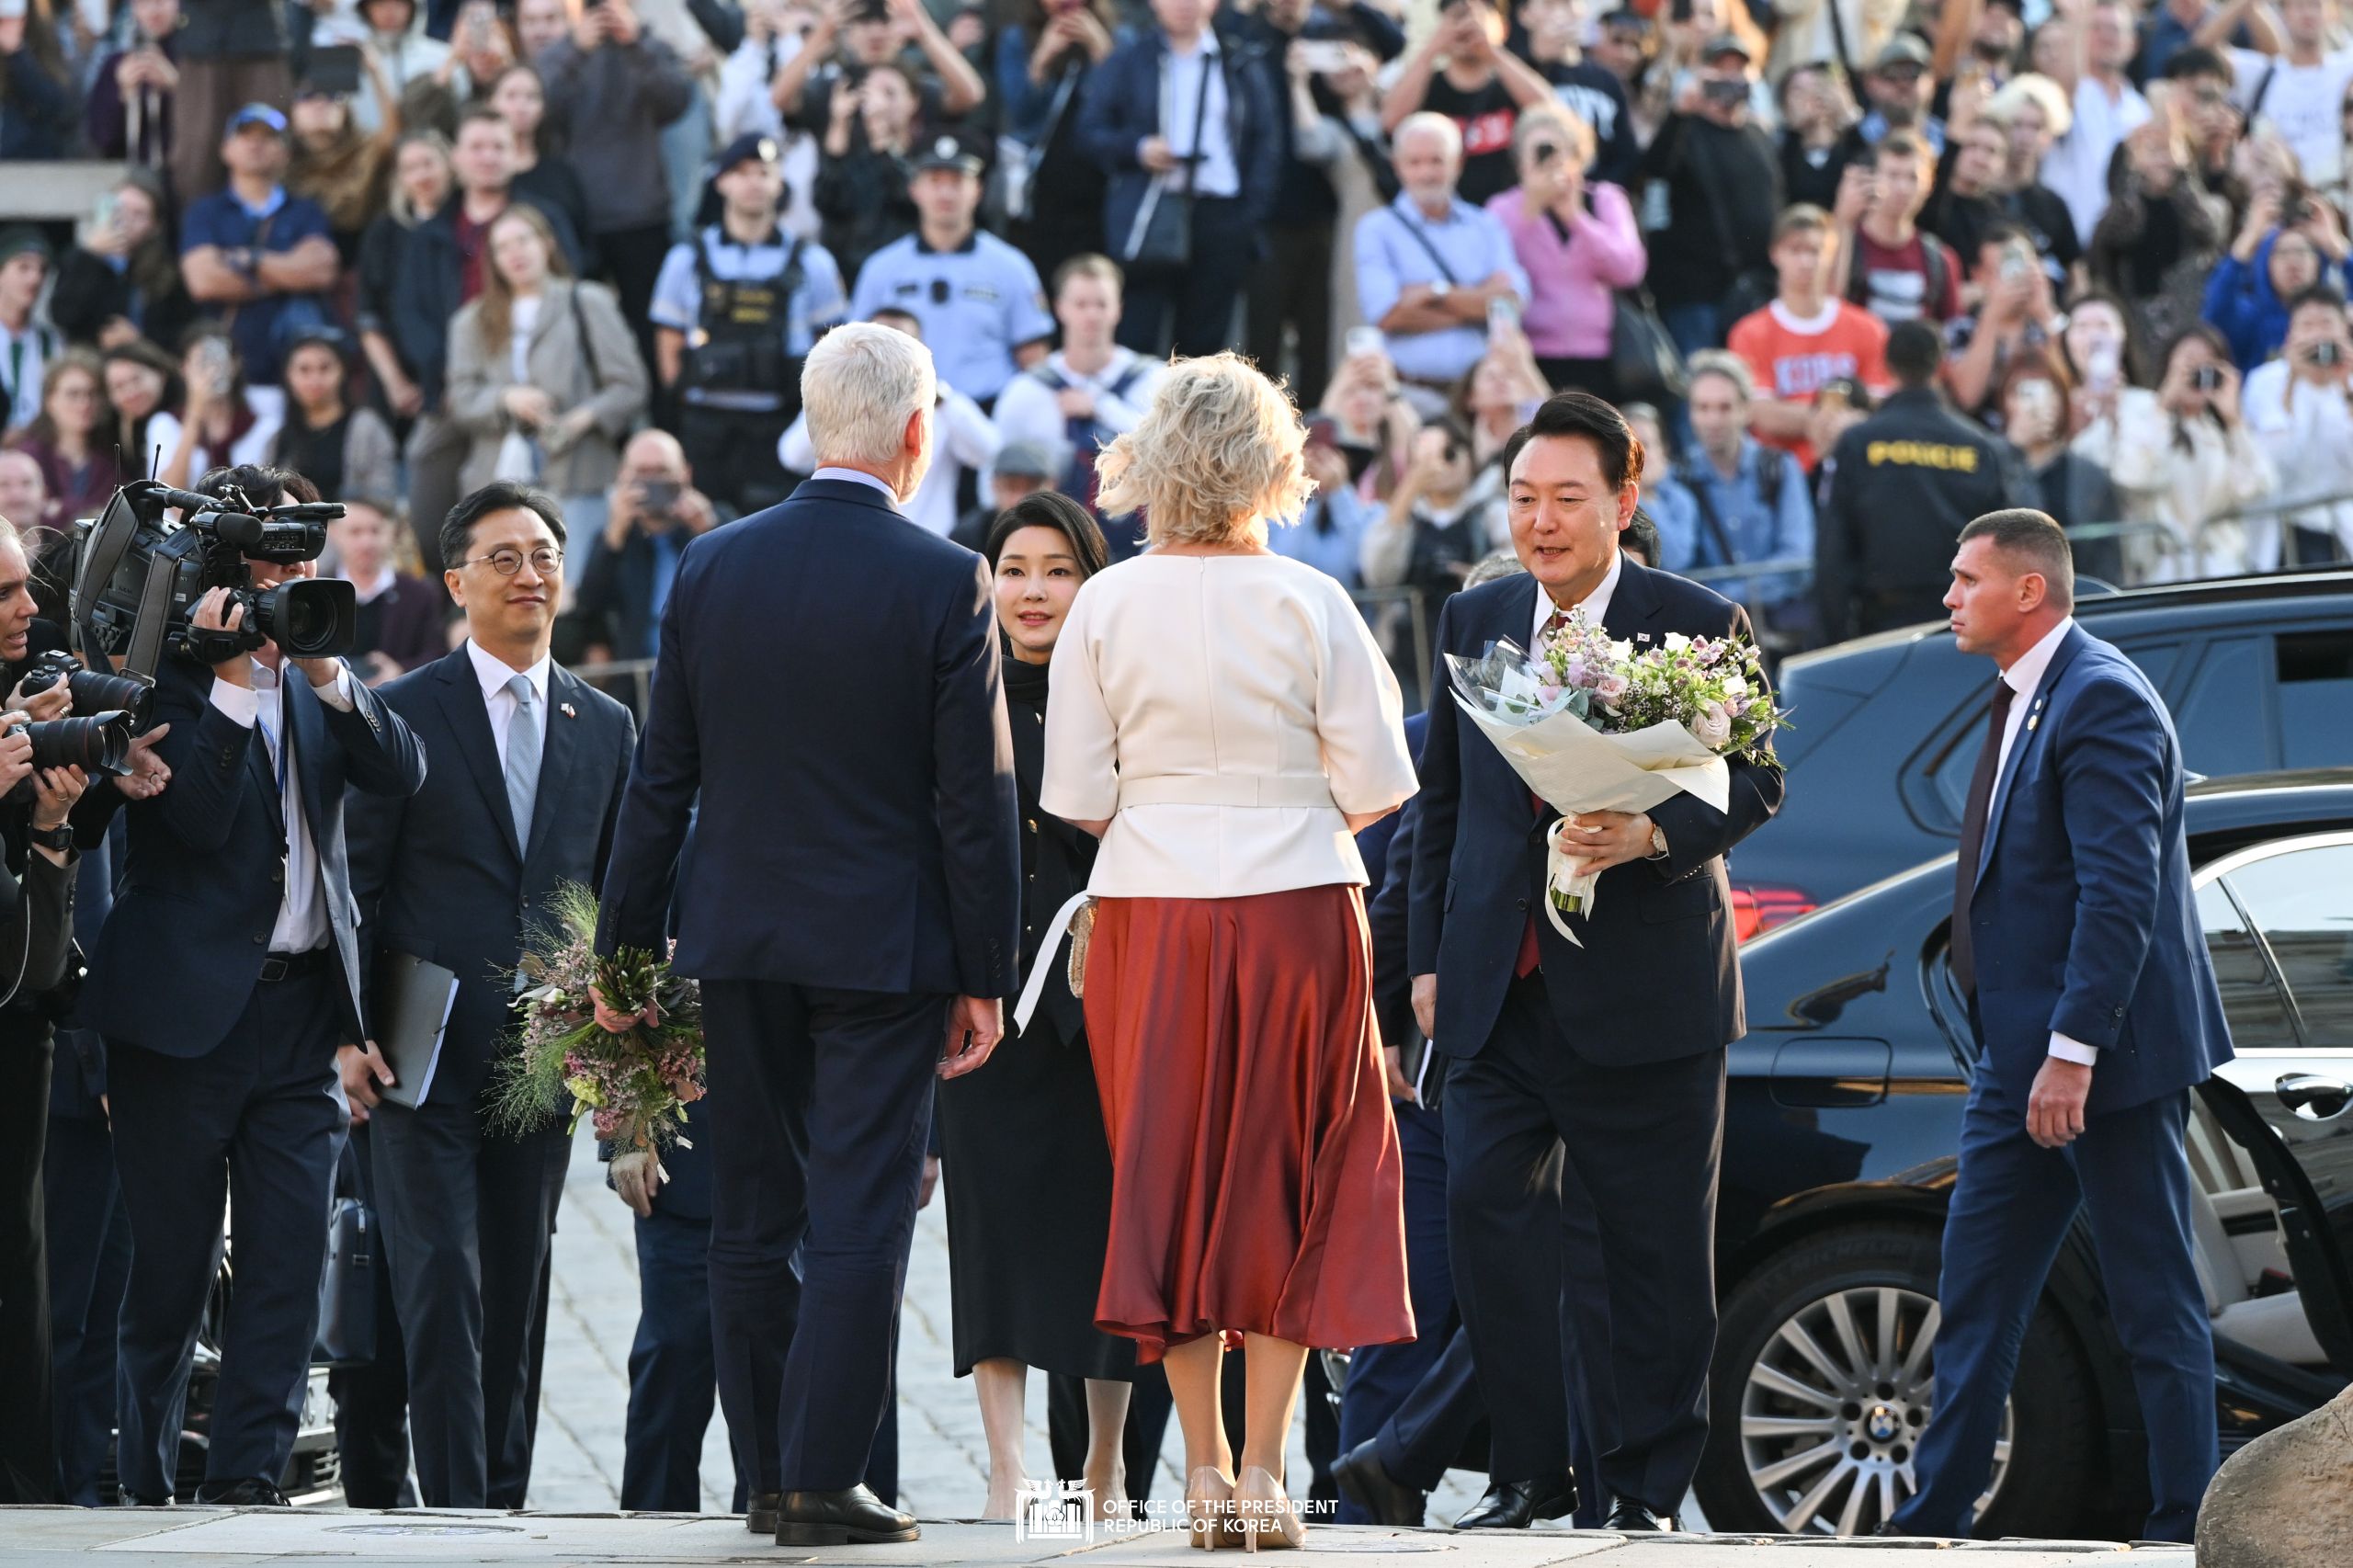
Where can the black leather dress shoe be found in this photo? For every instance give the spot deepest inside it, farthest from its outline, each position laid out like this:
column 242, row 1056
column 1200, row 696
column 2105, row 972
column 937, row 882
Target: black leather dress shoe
column 1364, row 1481
column 239, row 1495
column 839, row 1518
column 1628, row 1514
column 1516, row 1505
column 759, row 1512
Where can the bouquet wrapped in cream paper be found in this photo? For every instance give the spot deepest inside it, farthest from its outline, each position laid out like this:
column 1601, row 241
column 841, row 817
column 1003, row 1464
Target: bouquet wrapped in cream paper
column 1596, row 726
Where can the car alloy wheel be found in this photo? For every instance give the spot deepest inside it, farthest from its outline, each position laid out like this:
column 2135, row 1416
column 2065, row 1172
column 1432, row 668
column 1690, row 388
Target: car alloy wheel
column 1835, row 1403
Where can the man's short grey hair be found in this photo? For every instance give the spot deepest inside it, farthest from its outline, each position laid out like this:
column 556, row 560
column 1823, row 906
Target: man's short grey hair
column 860, row 385
column 1429, row 122
column 1729, row 365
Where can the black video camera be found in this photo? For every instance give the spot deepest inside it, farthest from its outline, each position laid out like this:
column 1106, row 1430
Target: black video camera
column 141, row 576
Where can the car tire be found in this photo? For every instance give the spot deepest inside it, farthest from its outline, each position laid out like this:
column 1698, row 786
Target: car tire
column 1770, row 1454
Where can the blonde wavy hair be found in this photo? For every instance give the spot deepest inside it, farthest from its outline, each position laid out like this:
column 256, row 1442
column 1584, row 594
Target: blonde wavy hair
column 1217, row 454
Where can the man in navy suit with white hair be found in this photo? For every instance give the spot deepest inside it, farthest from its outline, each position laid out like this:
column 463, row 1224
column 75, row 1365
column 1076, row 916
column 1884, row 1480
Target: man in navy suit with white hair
column 828, row 688
column 2075, row 938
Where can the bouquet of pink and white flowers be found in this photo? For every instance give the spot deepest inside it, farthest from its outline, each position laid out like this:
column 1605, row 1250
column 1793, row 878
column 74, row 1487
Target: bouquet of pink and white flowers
column 634, row 1085
column 1595, row 724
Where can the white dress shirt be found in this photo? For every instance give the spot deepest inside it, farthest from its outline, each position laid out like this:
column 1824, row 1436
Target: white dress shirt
column 2023, row 678
column 495, row 673
column 1222, row 711
column 1215, row 173
column 1595, row 604
column 303, row 911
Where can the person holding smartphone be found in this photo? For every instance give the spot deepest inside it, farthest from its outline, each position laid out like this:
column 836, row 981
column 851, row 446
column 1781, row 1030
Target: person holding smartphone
column 655, row 513
column 2299, row 408
column 1578, row 241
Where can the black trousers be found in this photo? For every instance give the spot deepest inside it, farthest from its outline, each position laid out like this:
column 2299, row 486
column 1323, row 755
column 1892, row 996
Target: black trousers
column 467, row 1216
column 1191, row 312
column 1544, row 1148
column 634, row 257
column 672, row 1374
column 732, row 454
column 89, row 1259
column 258, row 1122
column 820, row 1112
column 371, row 1401
column 1292, row 287
column 28, row 1459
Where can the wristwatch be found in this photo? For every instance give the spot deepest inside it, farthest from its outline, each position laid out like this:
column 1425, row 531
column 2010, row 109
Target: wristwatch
column 1441, row 288
column 60, row 838
column 1658, row 842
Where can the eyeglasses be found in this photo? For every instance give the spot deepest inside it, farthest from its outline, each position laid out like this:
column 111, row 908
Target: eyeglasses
column 506, row 562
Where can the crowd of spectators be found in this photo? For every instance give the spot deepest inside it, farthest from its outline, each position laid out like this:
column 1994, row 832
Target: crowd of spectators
column 1857, row 263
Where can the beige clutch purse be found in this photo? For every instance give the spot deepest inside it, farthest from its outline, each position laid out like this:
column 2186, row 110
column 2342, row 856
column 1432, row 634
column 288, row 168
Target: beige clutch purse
column 1082, row 928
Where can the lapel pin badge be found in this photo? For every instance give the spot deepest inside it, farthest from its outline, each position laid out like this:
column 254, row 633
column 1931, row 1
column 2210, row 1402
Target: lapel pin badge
column 565, row 710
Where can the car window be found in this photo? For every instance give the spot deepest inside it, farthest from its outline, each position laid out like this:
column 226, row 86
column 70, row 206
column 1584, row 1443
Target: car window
column 2303, row 903
column 2251, row 1001
column 2220, row 708
column 2316, row 670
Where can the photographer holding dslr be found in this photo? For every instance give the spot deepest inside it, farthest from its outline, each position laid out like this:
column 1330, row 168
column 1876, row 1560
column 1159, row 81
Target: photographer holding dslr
column 227, row 975
column 36, row 938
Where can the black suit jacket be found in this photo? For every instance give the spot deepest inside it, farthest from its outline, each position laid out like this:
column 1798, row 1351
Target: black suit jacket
column 204, row 875
column 441, row 874
column 829, row 686
column 1658, row 977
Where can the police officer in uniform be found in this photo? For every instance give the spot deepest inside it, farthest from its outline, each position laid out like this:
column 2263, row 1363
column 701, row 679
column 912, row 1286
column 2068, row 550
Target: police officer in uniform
column 735, row 312
column 978, row 300
column 1902, row 485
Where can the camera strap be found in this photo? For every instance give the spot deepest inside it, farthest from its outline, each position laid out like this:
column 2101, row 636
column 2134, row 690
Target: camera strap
column 147, row 631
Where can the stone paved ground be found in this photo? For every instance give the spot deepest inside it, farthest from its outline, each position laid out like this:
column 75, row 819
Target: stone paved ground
column 943, row 1456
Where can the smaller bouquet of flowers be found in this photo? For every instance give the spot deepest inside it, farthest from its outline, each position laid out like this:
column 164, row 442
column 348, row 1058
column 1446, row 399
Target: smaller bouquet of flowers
column 635, row 1085
column 1593, row 724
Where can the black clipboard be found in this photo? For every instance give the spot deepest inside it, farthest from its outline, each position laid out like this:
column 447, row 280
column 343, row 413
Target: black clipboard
column 414, row 998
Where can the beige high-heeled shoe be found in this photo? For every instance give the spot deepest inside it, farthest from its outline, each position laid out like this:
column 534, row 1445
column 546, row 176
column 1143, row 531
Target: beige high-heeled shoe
column 1209, row 1508
column 1264, row 1511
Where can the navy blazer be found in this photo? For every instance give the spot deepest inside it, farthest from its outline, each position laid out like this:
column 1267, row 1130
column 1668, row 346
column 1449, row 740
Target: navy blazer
column 205, row 870
column 1658, row 977
column 1120, row 107
column 829, row 684
column 441, row 875
column 2083, row 919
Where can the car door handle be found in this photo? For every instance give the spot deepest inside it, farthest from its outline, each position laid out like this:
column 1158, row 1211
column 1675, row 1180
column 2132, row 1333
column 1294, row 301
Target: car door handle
column 2312, row 1096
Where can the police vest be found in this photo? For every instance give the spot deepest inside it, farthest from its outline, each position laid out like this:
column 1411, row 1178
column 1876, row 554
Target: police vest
column 739, row 341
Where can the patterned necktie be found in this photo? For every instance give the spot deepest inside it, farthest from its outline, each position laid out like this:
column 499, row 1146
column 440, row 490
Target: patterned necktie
column 523, row 756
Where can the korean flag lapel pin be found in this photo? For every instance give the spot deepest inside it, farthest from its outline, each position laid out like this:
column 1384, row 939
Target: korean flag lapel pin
column 567, row 711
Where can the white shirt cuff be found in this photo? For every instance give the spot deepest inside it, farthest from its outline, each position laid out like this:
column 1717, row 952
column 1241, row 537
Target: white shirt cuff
column 336, row 693
column 2070, row 1049
column 237, row 702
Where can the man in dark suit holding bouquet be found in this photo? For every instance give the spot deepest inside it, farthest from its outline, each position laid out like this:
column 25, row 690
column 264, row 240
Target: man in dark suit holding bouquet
column 1585, row 1088
column 2076, row 939
column 531, row 761
column 828, row 687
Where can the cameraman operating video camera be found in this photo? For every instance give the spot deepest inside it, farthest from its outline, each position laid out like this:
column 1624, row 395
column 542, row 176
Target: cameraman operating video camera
column 225, row 979
column 35, row 941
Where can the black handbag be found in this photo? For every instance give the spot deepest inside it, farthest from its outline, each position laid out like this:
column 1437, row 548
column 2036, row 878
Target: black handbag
column 1161, row 239
column 347, row 1288
column 1643, row 359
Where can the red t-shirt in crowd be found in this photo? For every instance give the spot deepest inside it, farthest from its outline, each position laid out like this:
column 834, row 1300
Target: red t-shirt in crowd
column 1794, row 358
column 473, row 245
column 1895, row 282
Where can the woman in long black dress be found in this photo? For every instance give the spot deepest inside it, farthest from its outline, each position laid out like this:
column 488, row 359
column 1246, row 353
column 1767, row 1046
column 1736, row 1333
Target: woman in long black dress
column 1028, row 1172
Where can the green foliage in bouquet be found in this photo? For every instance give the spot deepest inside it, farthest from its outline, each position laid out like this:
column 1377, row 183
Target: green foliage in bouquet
column 635, row 1085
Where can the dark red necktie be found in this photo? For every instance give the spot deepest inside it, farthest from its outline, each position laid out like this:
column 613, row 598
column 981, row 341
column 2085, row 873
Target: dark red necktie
column 1531, row 956
column 1972, row 839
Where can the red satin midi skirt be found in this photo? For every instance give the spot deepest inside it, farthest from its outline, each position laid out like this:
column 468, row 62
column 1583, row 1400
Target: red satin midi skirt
column 1255, row 1184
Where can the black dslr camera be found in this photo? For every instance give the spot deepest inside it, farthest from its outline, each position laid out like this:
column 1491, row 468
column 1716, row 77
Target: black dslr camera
column 141, row 577
column 96, row 736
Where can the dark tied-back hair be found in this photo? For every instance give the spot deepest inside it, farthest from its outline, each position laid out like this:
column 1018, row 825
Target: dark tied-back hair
column 498, row 496
column 259, row 484
column 1052, row 509
column 2036, row 539
column 1582, row 414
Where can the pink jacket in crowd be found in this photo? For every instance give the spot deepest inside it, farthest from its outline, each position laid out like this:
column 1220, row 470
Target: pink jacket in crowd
column 1572, row 273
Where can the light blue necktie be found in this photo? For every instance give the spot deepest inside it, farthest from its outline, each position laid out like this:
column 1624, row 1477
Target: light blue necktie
column 523, row 758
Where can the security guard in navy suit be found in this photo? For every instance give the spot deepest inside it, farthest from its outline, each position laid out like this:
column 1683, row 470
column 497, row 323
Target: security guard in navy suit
column 224, row 980
column 1902, row 485
column 532, row 760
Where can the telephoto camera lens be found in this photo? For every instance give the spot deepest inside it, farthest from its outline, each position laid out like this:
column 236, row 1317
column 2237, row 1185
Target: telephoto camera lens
column 310, row 617
column 100, row 746
column 94, row 692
